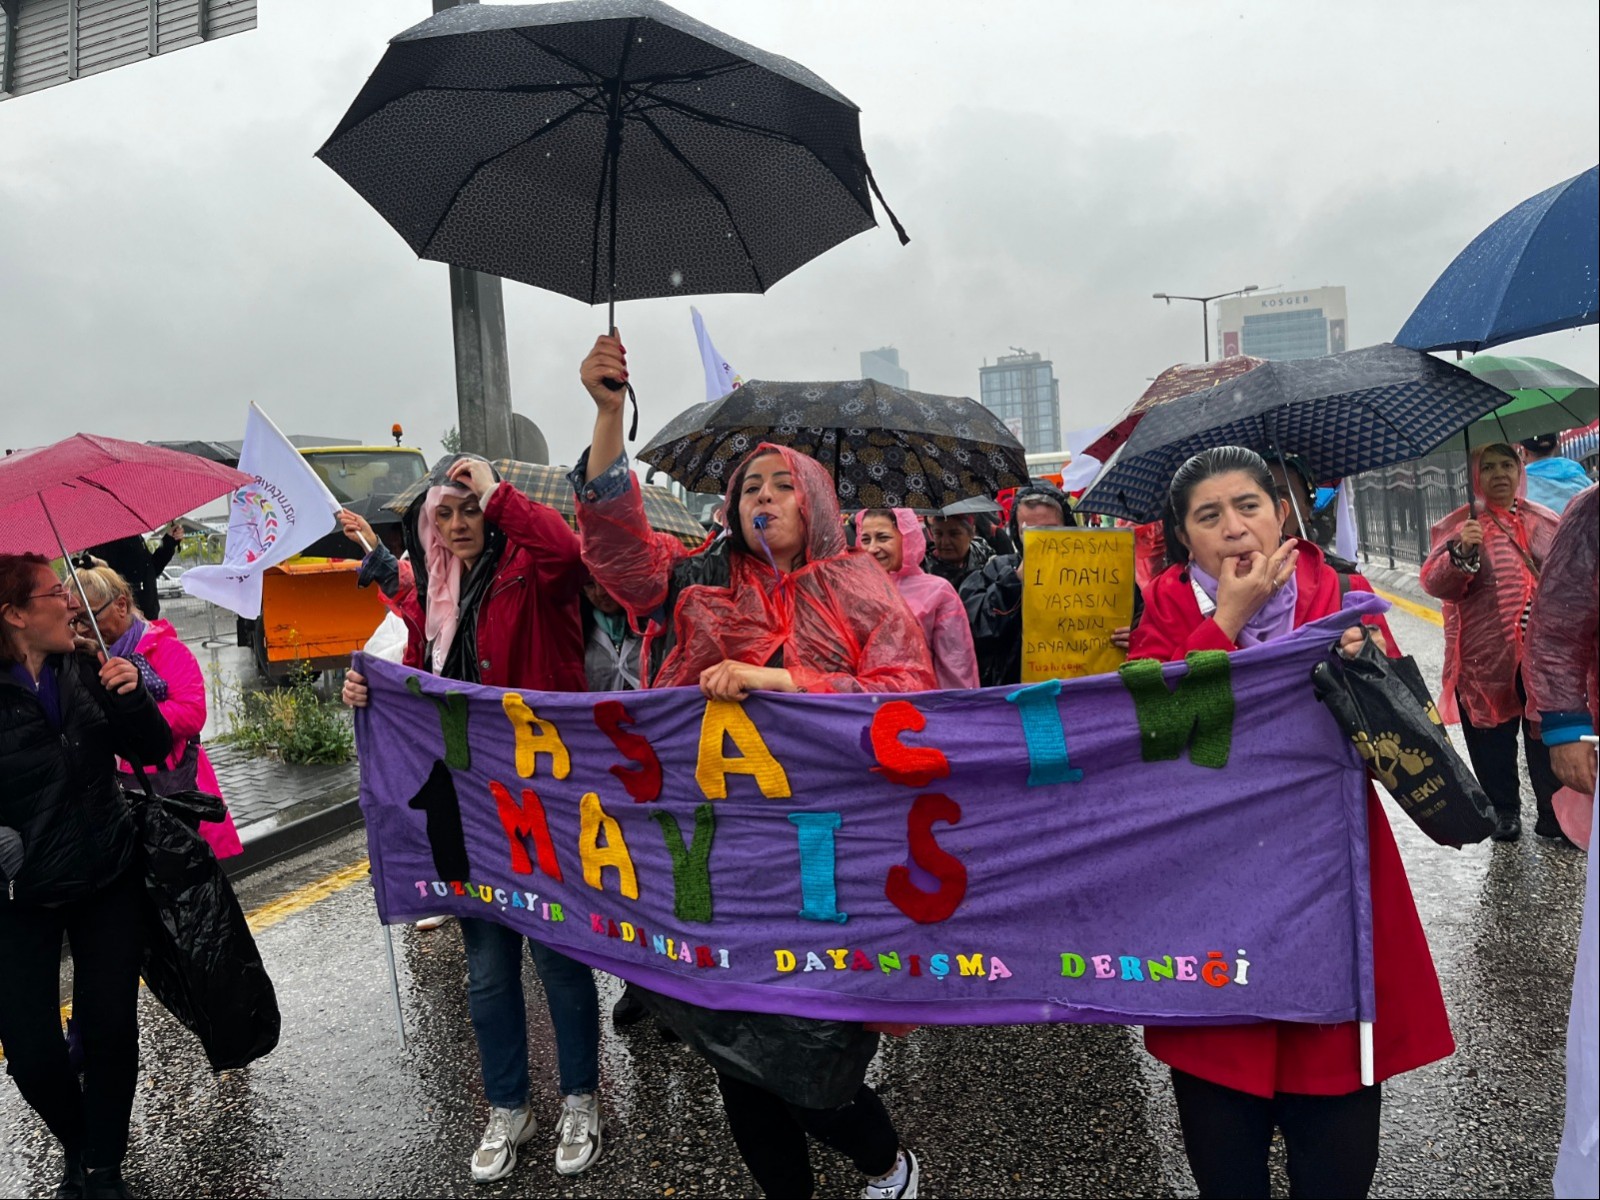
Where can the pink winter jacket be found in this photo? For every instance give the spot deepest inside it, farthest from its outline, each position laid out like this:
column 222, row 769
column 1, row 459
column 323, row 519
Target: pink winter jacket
column 185, row 711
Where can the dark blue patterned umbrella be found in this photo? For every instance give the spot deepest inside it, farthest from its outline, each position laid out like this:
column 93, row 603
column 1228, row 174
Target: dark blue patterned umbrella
column 1341, row 414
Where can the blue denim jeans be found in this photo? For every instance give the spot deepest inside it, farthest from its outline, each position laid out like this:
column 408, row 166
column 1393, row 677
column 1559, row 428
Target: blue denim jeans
column 500, row 1019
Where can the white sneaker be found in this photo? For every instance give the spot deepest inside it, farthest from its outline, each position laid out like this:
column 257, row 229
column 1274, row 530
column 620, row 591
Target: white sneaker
column 906, row 1190
column 496, row 1155
column 432, row 922
column 579, row 1133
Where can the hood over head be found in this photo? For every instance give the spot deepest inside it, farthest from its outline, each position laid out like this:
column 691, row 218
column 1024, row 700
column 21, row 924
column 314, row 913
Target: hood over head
column 814, row 493
column 913, row 540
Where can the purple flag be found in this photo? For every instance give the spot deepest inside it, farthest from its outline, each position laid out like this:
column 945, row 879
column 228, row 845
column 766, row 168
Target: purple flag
column 1173, row 844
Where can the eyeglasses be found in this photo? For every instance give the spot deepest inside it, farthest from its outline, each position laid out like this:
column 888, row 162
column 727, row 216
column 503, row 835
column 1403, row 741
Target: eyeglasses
column 59, row 592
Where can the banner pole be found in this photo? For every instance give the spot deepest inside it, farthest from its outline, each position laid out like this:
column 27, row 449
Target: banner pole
column 1367, row 1070
column 394, row 984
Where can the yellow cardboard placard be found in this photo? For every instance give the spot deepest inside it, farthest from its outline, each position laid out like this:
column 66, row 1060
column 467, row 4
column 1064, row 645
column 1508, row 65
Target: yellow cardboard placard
column 1077, row 589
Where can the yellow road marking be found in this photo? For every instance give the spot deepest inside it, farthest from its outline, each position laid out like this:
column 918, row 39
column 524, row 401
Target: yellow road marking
column 285, row 907
column 1432, row 615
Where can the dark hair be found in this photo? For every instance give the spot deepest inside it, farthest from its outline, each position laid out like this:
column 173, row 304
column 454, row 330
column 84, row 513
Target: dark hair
column 886, row 514
column 1219, row 460
column 16, row 589
column 1542, row 445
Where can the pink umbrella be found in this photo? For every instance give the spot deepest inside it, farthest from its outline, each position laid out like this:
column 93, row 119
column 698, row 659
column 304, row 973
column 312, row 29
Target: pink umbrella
column 88, row 489
column 1180, row 380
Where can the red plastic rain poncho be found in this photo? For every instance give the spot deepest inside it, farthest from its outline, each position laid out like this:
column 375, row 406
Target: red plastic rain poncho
column 935, row 604
column 1562, row 670
column 1483, row 609
column 837, row 623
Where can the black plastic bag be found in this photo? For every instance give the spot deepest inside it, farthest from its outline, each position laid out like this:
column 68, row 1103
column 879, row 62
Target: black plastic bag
column 1386, row 709
column 200, row 959
column 801, row 1060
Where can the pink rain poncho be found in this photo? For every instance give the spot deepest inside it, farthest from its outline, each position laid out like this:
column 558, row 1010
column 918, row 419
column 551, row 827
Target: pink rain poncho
column 1483, row 609
column 1562, row 670
column 836, row 622
column 935, row 604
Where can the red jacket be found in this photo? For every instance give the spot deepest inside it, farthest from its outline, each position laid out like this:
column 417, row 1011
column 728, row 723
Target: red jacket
column 530, row 634
column 1411, row 1028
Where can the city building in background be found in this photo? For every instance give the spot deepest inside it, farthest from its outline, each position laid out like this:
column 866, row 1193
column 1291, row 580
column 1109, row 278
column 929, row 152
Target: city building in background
column 883, row 364
column 1307, row 323
column 1022, row 390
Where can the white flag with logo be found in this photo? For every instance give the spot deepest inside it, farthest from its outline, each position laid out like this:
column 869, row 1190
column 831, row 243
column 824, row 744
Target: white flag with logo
column 279, row 513
column 720, row 377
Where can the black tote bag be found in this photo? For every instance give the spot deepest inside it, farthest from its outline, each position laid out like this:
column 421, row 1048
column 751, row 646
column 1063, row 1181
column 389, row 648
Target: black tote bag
column 1385, row 708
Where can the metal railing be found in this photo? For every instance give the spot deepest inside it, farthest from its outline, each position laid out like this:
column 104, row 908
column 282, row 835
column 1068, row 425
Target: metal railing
column 1396, row 506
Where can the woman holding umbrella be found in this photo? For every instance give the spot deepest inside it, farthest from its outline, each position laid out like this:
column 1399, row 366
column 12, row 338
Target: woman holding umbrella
column 1242, row 584
column 1484, row 566
column 777, row 605
column 67, row 867
column 490, row 595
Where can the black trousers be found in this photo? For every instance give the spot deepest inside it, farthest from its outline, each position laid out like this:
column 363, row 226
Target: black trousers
column 1332, row 1140
column 771, row 1136
column 1493, row 751
column 105, row 937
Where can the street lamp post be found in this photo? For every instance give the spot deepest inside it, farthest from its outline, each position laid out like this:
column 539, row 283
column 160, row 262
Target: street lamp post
column 1205, row 309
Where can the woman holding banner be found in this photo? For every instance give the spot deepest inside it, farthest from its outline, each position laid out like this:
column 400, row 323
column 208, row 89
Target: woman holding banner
column 490, row 595
column 1240, row 584
column 778, row 604
column 894, row 539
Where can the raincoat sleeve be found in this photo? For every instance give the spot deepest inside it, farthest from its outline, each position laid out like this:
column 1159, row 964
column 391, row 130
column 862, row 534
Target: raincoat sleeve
column 184, row 709
column 1442, row 576
column 541, row 531
column 955, row 659
column 1562, row 650
column 626, row 557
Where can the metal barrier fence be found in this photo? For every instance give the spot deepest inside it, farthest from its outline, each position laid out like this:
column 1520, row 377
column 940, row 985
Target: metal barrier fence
column 1396, row 506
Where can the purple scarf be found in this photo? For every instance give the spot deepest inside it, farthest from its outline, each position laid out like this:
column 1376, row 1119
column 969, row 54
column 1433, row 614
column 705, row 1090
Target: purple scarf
column 125, row 646
column 1273, row 619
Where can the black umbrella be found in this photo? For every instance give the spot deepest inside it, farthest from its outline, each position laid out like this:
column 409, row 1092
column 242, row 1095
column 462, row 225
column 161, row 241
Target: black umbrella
column 604, row 149
column 886, row 447
column 1341, row 414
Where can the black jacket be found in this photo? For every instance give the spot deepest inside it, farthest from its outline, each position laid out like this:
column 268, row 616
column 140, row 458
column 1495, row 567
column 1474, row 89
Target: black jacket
column 132, row 558
column 993, row 597
column 59, row 790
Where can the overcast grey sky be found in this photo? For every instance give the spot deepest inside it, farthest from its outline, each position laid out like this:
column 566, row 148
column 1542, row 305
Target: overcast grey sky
column 170, row 250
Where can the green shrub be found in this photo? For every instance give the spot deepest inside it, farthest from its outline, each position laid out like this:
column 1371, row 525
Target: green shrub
column 293, row 722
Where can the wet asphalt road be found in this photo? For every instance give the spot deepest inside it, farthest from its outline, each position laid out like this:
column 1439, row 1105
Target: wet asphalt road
column 340, row 1110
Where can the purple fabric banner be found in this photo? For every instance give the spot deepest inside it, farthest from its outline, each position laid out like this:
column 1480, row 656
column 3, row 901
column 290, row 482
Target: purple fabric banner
column 1179, row 844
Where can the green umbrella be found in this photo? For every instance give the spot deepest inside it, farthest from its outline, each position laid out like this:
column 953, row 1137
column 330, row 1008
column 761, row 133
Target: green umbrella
column 1545, row 398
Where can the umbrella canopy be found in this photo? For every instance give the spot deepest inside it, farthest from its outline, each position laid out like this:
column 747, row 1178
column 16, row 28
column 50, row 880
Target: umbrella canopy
column 1545, row 398
column 607, row 150
column 88, row 489
column 1342, row 414
column 550, row 486
column 1180, row 380
column 1535, row 270
column 886, row 447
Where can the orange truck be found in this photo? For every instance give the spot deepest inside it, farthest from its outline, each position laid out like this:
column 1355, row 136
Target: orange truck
column 313, row 616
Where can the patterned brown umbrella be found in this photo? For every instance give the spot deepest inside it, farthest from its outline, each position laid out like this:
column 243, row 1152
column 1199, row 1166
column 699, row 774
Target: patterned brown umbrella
column 1180, row 380
column 886, row 447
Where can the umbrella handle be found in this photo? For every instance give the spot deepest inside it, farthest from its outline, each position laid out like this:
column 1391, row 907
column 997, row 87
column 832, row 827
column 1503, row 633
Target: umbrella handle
column 617, row 385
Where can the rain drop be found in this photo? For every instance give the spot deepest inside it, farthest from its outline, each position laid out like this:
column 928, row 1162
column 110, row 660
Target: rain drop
column 676, row 278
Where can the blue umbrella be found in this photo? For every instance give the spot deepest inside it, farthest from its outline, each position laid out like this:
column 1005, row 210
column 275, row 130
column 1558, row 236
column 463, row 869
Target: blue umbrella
column 1535, row 270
